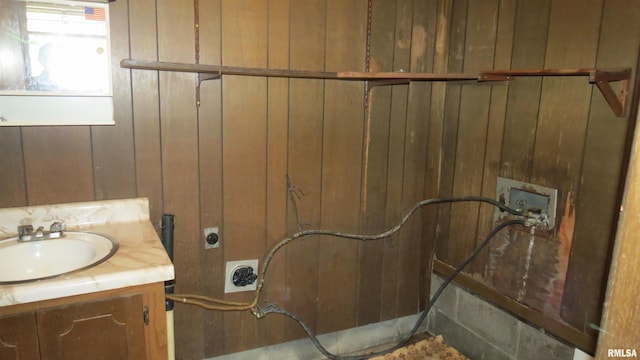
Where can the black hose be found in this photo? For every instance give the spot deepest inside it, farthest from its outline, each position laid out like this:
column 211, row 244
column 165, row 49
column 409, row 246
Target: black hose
column 275, row 310
column 386, row 234
column 215, row 304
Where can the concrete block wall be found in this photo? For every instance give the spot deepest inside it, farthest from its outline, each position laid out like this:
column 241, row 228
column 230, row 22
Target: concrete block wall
column 480, row 330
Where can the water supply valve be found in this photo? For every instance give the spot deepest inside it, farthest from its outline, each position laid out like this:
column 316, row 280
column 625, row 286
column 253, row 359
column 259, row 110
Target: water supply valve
column 535, row 219
column 536, row 203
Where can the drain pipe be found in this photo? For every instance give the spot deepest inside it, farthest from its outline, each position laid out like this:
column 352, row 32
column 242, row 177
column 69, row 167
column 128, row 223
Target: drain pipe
column 168, row 224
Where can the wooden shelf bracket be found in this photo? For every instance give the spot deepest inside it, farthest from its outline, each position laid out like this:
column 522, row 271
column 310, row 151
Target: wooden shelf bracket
column 602, row 78
column 603, row 81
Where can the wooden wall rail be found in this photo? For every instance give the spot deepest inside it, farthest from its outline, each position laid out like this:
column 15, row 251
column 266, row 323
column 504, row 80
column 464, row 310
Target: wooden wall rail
column 601, row 77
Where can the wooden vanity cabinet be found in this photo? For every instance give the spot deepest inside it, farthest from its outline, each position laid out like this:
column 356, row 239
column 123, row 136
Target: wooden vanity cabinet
column 19, row 337
column 121, row 324
column 103, row 329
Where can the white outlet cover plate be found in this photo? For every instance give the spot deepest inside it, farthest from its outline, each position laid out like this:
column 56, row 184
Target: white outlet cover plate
column 228, row 277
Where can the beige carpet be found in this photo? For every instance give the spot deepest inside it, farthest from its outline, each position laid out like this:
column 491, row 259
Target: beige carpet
column 432, row 348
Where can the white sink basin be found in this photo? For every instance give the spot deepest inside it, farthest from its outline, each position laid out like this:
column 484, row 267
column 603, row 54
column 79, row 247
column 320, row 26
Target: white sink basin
column 41, row 259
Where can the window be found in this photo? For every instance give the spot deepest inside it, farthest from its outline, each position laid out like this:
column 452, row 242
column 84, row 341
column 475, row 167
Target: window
column 54, row 63
column 67, row 47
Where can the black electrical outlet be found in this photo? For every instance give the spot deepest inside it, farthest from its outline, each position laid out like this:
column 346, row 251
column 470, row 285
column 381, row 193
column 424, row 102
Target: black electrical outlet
column 244, row 276
column 212, row 239
column 241, row 275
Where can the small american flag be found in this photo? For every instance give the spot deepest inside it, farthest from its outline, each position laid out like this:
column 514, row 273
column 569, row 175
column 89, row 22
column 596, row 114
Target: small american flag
column 91, row 13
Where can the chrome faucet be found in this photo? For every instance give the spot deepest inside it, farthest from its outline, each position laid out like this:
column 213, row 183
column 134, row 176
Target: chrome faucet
column 26, row 232
column 56, row 229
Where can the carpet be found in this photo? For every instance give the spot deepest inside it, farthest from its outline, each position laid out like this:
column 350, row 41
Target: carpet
column 432, row 348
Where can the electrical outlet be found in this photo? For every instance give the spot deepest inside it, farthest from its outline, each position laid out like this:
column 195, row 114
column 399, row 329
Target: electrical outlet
column 246, row 274
column 211, row 238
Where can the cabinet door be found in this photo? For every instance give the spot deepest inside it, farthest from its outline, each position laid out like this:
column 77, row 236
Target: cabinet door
column 19, row 337
column 106, row 329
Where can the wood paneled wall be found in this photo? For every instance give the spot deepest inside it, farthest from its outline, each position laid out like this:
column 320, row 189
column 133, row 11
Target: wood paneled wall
column 555, row 132
column 225, row 162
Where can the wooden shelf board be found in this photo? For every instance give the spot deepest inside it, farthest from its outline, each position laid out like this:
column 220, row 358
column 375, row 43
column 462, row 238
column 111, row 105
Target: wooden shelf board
column 601, row 77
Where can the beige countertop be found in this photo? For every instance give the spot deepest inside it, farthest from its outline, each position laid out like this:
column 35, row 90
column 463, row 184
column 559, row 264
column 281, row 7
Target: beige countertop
column 140, row 259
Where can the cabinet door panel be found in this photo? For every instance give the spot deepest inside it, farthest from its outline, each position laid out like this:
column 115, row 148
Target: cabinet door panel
column 19, row 337
column 111, row 329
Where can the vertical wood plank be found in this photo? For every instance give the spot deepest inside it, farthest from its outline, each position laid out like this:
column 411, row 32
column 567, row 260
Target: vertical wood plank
column 277, row 135
column 12, row 176
column 306, row 98
column 114, row 171
column 375, row 160
column 435, row 154
column 211, row 173
column 603, row 154
column 179, row 132
column 244, row 160
column 395, row 165
column 496, row 124
column 411, row 241
column 145, row 101
column 529, row 43
column 458, row 30
column 472, row 130
column 341, row 165
column 58, row 164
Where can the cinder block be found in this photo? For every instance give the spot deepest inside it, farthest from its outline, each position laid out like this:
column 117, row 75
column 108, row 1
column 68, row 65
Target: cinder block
column 535, row 344
column 448, row 301
column 492, row 324
column 464, row 340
